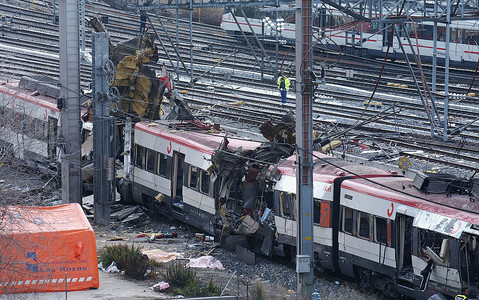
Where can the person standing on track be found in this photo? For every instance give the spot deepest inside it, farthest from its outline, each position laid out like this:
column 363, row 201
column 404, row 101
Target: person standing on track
column 283, row 86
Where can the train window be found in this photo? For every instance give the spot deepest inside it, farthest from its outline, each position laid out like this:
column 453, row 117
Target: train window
column 321, row 213
column 363, row 230
column 193, row 178
column 205, row 182
column 380, row 230
column 347, row 220
column 140, row 156
column 150, row 160
column 325, row 214
column 249, row 11
column 317, row 211
column 162, row 163
column 287, row 204
column 38, row 129
column 432, row 240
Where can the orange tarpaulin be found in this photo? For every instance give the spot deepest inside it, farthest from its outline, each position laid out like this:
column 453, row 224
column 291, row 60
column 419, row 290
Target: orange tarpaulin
column 46, row 249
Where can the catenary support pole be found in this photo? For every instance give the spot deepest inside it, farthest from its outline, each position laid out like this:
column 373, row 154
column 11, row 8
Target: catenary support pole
column 304, row 142
column 191, row 43
column 70, row 97
column 445, row 136
column 434, row 50
column 102, row 177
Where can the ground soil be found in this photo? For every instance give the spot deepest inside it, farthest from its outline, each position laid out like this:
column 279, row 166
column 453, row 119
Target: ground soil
column 186, row 244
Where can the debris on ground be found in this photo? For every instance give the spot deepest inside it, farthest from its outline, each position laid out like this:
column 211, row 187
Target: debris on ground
column 112, row 268
column 117, row 238
column 124, row 213
column 205, row 262
column 161, row 256
column 161, row 286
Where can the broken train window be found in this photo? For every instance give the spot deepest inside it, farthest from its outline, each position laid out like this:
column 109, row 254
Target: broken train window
column 150, row 160
column 193, row 177
column 287, row 201
column 140, row 156
column 433, row 244
column 205, row 182
column 162, row 163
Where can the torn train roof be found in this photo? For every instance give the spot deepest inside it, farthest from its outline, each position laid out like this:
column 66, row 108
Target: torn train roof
column 203, row 141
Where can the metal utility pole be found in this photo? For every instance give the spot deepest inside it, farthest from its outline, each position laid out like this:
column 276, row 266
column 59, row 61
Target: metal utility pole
column 304, row 143
column 191, row 43
column 277, row 42
column 445, row 134
column 434, row 49
column 103, row 161
column 70, row 99
column 82, row 23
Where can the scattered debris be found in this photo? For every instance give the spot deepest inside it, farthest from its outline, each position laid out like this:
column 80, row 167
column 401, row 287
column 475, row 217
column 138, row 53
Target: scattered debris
column 161, row 256
column 209, row 251
column 118, row 238
column 205, row 262
column 331, row 146
column 134, row 218
column 124, row 213
column 161, row 286
column 156, row 236
column 112, row 268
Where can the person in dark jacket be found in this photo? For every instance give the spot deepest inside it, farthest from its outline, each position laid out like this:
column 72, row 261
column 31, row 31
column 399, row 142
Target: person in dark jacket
column 142, row 22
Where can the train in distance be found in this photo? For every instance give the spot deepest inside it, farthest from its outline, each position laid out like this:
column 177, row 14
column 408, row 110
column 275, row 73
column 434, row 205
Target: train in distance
column 406, row 236
column 335, row 31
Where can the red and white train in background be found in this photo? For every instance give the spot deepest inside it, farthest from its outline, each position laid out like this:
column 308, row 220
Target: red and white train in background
column 405, row 236
column 342, row 33
column 30, row 124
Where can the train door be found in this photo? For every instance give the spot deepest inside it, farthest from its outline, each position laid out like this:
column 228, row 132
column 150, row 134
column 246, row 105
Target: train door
column 469, row 260
column 404, row 246
column 177, row 179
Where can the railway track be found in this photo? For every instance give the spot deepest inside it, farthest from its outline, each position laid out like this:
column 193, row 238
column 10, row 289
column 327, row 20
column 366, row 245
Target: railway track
column 261, row 99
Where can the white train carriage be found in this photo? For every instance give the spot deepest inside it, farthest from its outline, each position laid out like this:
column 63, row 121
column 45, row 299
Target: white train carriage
column 385, row 231
column 335, row 29
column 29, row 123
column 170, row 172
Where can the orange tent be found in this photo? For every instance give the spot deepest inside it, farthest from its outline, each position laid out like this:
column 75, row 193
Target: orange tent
column 46, row 249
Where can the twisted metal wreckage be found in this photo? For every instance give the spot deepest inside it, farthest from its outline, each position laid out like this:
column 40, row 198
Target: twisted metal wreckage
column 246, row 180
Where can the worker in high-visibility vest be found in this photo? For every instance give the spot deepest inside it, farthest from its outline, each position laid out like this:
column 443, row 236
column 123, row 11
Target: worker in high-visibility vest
column 283, row 86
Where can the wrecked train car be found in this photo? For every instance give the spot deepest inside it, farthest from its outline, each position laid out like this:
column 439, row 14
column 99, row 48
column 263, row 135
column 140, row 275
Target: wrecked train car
column 414, row 237
column 198, row 176
column 140, row 90
column 30, row 122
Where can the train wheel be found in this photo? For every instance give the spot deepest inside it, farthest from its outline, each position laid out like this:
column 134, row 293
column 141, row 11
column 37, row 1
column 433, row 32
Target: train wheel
column 390, row 290
column 364, row 277
column 289, row 252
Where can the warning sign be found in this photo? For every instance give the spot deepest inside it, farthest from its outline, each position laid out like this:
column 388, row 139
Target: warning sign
column 404, row 163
